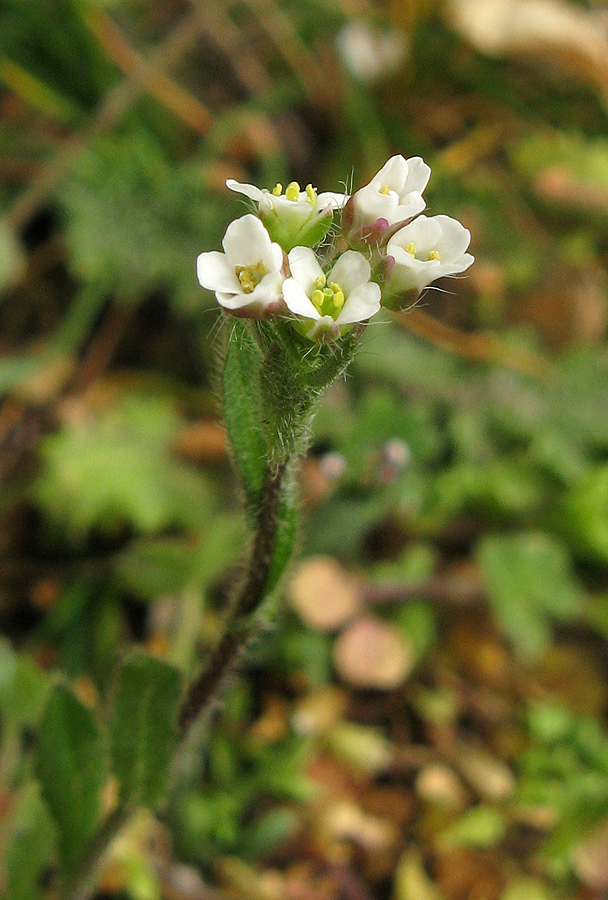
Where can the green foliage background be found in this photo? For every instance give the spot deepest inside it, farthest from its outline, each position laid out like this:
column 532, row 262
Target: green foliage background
column 462, row 467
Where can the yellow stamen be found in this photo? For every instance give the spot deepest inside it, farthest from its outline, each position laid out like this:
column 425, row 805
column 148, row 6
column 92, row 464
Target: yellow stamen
column 311, row 194
column 250, row 276
column 385, row 189
column 411, row 249
column 277, row 189
column 321, row 281
column 317, row 298
column 433, row 254
column 292, row 191
column 338, row 300
column 334, row 286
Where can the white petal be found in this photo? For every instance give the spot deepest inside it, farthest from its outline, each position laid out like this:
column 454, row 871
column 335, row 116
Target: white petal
column 328, row 198
column 418, row 174
column 409, row 206
column 455, row 238
column 304, row 267
column 455, row 268
column 351, row 270
column 215, row 272
column 393, row 173
column 250, row 190
column 425, row 233
column 297, row 300
column 361, row 304
column 247, row 242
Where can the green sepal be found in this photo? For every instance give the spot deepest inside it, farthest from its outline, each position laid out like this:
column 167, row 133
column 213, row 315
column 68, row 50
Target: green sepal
column 311, row 233
column 70, row 764
column 143, row 727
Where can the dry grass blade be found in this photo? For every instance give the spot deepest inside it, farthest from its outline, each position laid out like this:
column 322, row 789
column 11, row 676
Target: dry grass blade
column 112, row 108
column 155, row 82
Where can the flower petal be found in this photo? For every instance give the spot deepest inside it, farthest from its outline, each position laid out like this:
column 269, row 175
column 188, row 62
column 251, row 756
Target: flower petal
column 215, row 272
column 329, row 198
column 304, row 267
column 247, row 242
column 351, row 269
column 361, row 304
column 298, row 301
column 418, row 174
column 249, row 190
column 455, row 238
column 393, row 173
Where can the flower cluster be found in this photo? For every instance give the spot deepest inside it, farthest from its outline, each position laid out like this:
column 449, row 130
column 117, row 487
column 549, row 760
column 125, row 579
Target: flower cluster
column 328, row 261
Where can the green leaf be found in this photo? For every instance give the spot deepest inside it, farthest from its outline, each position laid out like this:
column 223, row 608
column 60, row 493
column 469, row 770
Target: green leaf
column 243, row 409
column 70, row 764
column 31, row 841
column 481, row 827
column 119, row 468
column 143, row 727
column 529, row 583
column 284, row 541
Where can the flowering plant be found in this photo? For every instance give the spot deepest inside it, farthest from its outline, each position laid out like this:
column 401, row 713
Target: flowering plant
column 326, row 262
column 301, row 275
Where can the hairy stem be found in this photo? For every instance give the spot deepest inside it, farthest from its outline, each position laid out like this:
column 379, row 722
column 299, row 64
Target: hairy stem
column 207, row 687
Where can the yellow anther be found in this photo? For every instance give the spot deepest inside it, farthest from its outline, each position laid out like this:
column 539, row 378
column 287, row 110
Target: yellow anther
column 292, row 191
column 411, row 249
column 335, row 286
column 250, row 276
column 338, row 300
column 317, row 298
column 311, row 194
column 385, row 189
column 320, row 282
column 277, row 189
column 433, row 254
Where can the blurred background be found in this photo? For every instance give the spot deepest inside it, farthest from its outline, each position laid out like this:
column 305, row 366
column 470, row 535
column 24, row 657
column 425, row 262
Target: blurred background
column 427, row 718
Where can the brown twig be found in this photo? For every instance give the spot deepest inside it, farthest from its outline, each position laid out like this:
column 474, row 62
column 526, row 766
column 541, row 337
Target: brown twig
column 457, row 592
column 479, row 347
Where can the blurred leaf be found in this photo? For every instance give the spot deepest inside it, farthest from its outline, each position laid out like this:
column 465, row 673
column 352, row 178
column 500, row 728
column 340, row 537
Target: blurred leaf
column 143, row 727
column 151, row 567
column 480, row 827
column 31, row 842
column 12, row 258
column 143, row 231
column 70, row 764
column 119, row 468
column 23, row 688
column 529, row 583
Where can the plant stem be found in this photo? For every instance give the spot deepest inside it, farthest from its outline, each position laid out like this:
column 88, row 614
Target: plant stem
column 207, row 687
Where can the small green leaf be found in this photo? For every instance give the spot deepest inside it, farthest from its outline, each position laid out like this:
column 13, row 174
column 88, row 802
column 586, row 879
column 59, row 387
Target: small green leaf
column 243, row 409
column 31, row 841
column 480, row 827
column 529, row 583
column 143, row 727
column 70, row 764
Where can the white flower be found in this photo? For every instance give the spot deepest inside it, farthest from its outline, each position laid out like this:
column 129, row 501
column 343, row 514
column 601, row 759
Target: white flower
column 342, row 297
column 427, row 249
column 295, row 217
column 247, row 276
column 394, row 194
